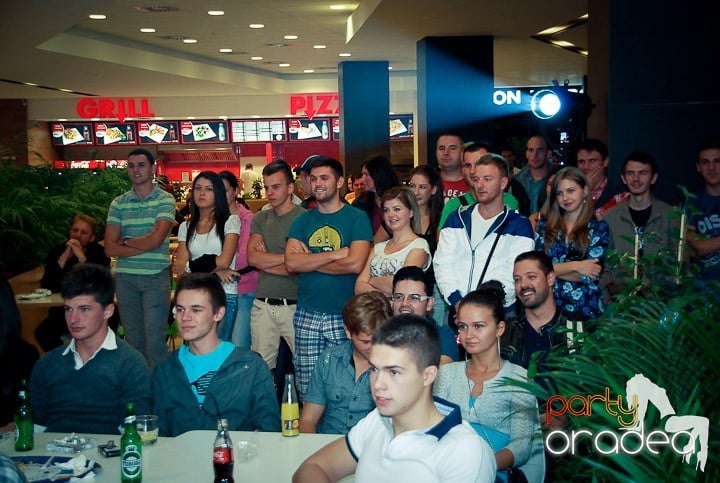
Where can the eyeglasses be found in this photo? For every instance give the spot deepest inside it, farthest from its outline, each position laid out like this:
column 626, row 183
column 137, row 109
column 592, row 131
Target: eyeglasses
column 413, row 297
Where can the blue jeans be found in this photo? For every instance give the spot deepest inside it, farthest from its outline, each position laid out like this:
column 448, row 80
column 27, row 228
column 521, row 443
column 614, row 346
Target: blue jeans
column 225, row 329
column 144, row 303
column 241, row 332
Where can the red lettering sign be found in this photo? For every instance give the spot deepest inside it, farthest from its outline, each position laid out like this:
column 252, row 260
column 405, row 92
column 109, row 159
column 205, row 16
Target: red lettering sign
column 313, row 104
column 90, row 107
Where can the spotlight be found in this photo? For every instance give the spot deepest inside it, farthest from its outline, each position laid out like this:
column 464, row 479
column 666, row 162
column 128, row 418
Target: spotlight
column 545, row 104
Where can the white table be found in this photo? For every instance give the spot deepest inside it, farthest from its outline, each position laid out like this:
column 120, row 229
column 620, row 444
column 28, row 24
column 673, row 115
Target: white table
column 188, row 457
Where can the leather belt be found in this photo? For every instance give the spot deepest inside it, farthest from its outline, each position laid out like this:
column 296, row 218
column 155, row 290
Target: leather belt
column 274, row 301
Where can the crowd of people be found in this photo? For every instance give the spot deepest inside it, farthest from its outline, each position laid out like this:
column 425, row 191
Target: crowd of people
column 373, row 300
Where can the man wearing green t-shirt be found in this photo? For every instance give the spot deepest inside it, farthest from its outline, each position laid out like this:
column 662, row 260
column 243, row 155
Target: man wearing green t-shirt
column 138, row 225
column 471, row 153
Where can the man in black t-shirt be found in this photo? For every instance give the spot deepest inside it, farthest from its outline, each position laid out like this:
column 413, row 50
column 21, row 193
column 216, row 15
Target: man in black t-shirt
column 641, row 225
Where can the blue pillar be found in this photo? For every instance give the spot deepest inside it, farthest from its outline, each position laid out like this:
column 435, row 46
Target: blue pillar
column 455, row 86
column 364, row 106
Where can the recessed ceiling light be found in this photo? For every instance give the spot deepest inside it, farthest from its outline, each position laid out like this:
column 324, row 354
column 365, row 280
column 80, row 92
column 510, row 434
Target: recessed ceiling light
column 256, row 26
column 255, row 116
column 342, row 7
column 344, row 54
column 191, row 117
column 62, row 119
column 389, row 67
column 290, row 37
column 308, row 71
column 147, row 30
column 391, row 113
column 159, row 118
column 225, row 51
column 224, row 118
column 319, row 46
column 283, row 64
column 65, row 90
column 31, row 84
column 190, row 41
column 215, row 12
column 97, row 16
column 256, row 57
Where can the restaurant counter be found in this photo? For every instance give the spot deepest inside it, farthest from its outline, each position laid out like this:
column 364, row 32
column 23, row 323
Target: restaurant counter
column 188, row 457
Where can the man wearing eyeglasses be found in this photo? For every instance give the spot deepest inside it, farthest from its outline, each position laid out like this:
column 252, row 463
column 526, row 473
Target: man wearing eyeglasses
column 411, row 287
column 208, row 379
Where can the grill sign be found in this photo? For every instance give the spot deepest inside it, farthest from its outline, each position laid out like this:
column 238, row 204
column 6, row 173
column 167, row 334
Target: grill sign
column 120, row 109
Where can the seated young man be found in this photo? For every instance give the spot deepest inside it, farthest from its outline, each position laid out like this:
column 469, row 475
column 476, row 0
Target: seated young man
column 339, row 392
column 84, row 387
column 408, row 436
column 208, row 379
column 412, row 293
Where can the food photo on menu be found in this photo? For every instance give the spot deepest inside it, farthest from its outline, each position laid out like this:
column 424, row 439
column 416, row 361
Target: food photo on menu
column 201, row 132
column 157, row 133
column 113, row 135
column 71, row 135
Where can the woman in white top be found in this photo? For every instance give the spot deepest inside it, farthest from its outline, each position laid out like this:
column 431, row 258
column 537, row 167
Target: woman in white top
column 406, row 248
column 208, row 241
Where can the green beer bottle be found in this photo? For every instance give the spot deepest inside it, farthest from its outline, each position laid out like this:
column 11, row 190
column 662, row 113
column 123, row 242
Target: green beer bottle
column 130, row 449
column 24, row 438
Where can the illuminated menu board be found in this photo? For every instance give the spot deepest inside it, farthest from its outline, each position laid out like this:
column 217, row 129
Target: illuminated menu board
column 71, row 133
column 309, row 129
column 158, row 132
column 115, row 133
column 244, row 131
column 203, row 132
column 401, row 126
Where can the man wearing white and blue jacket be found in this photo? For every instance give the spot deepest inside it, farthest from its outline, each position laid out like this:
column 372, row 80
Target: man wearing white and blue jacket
column 474, row 233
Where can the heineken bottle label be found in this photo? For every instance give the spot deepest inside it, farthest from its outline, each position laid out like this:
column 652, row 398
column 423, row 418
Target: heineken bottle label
column 131, row 464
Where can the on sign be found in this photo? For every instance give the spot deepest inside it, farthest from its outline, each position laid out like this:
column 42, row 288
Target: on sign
column 313, row 104
column 506, row 97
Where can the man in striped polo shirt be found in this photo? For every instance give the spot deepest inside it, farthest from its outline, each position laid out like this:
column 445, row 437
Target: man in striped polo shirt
column 138, row 225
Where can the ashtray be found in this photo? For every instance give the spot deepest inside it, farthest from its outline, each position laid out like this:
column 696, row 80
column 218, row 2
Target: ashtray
column 71, row 444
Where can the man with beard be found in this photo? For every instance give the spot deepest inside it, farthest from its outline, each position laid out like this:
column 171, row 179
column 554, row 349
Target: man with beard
column 535, row 329
column 472, row 152
column 640, row 219
column 328, row 246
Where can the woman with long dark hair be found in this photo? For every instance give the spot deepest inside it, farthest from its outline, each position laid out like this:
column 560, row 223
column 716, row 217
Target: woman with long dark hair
column 379, row 176
column 17, row 357
column 208, row 242
column 427, row 187
column 505, row 416
column 576, row 242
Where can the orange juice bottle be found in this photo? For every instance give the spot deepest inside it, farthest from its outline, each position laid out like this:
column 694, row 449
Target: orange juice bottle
column 290, row 409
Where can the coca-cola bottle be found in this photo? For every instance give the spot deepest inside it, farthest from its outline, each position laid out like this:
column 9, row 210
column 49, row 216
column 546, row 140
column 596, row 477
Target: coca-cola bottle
column 223, row 461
